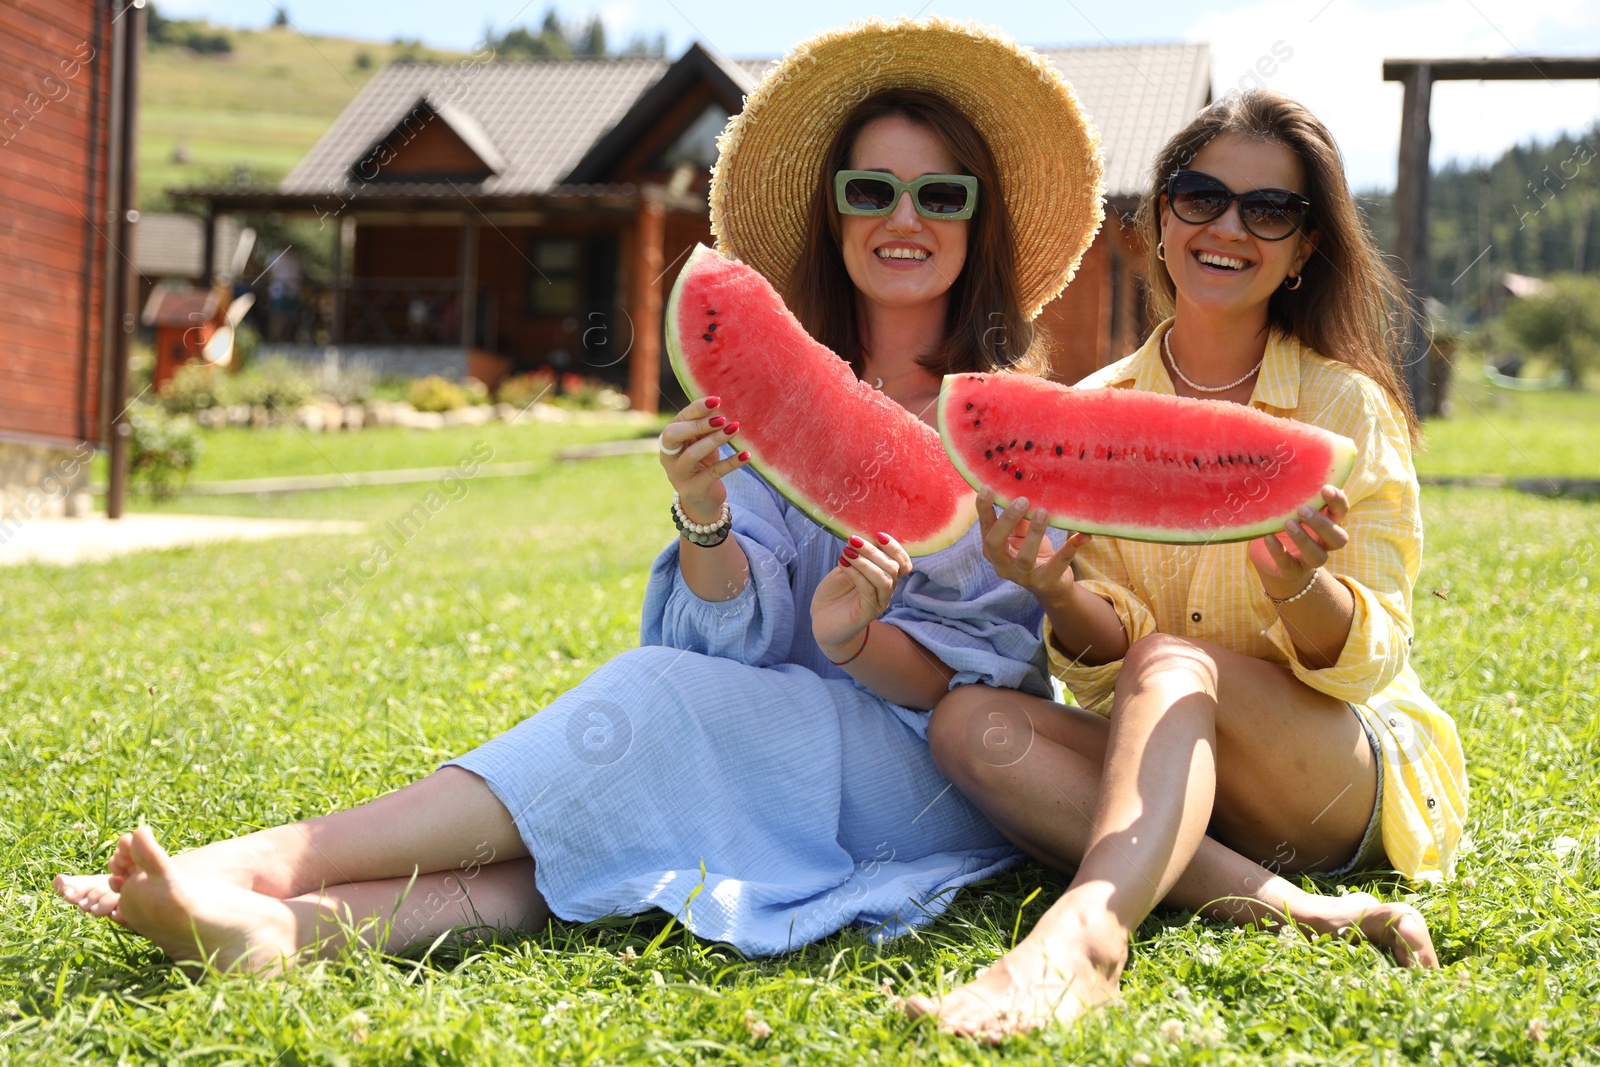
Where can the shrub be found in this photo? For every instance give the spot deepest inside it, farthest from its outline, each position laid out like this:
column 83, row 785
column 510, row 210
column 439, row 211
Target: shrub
column 589, row 394
column 163, row 449
column 524, row 389
column 349, row 383
column 276, row 382
column 193, row 388
column 434, row 393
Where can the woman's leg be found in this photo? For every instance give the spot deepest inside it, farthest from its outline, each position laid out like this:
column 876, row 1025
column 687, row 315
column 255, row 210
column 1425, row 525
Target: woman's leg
column 1297, row 787
column 1033, row 767
column 195, row 919
column 448, row 821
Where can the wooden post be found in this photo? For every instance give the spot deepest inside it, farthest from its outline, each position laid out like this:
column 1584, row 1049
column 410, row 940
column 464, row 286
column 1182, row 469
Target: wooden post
column 1411, row 216
column 336, row 334
column 208, row 254
column 649, row 259
column 469, row 280
column 128, row 46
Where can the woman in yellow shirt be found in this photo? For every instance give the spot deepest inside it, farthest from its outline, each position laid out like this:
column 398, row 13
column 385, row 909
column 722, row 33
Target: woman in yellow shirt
column 1257, row 711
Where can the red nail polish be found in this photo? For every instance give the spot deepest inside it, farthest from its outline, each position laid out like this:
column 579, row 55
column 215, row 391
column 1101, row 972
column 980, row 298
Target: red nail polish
column 713, row 401
column 857, row 542
column 717, row 420
column 883, row 538
column 851, row 553
column 731, row 429
column 843, row 562
column 744, row 457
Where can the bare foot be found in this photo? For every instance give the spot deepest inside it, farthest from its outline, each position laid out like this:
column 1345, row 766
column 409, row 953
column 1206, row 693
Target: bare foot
column 192, row 919
column 1398, row 929
column 242, row 862
column 92, row 894
column 1057, row 974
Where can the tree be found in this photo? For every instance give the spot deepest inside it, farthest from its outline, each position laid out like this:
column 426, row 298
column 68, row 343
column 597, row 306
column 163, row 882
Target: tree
column 1561, row 323
column 280, row 17
column 594, row 38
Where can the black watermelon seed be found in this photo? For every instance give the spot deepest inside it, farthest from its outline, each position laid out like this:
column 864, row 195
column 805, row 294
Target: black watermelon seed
column 711, row 311
column 1196, row 461
column 988, row 453
column 1080, row 453
column 712, row 327
column 707, row 336
column 1058, row 450
column 1013, row 443
column 969, row 405
column 999, row 448
column 1019, row 475
column 1027, row 446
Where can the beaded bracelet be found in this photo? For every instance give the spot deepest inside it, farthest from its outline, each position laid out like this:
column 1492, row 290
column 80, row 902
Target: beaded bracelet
column 1290, row 600
column 704, row 534
column 864, row 635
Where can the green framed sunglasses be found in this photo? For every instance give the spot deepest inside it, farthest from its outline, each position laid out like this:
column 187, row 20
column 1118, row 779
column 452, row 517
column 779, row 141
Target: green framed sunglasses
column 945, row 197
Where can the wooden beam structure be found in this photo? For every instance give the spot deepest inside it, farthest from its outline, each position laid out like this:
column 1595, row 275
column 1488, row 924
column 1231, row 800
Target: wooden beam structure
column 1411, row 182
column 644, row 362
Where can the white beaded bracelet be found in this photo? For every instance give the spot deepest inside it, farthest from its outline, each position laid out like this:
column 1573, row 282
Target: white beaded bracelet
column 701, row 527
column 1309, row 583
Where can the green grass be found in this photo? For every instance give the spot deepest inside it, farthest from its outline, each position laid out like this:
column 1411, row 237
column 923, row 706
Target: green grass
column 263, row 104
column 197, row 690
column 1521, row 435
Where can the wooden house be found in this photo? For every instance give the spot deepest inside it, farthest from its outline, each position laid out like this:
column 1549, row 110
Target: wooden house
column 68, row 85
column 494, row 217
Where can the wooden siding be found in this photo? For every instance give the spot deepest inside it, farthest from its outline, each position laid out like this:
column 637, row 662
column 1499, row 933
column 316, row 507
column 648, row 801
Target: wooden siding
column 48, row 64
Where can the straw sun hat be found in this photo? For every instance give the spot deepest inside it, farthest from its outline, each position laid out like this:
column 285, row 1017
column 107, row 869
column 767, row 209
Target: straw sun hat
column 1046, row 151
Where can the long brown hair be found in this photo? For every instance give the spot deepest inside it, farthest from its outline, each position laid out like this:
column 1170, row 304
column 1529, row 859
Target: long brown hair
column 1350, row 306
column 984, row 325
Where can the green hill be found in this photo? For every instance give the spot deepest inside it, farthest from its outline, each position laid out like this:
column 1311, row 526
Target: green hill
column 258, row 107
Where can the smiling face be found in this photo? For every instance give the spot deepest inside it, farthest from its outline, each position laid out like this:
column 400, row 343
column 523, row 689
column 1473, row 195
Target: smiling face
column 1220, row 265
column 902, row 259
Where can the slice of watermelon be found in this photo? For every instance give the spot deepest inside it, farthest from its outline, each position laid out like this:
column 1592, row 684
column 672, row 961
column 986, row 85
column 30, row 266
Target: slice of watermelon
column 838, row 449
column 1144, row 466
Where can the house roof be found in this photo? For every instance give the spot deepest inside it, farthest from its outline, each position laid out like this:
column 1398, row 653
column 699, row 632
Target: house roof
column 541, row 116
column 173, row 245
column 553, row 122
column 1139, row 95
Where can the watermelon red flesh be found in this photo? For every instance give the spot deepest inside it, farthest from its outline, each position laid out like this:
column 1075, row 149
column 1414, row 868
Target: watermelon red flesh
column 1144, row 466
column 841, row 451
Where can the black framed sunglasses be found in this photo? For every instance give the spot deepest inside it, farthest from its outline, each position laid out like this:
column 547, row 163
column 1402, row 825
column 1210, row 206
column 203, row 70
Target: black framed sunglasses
column 946, row 197
column 1270, row 214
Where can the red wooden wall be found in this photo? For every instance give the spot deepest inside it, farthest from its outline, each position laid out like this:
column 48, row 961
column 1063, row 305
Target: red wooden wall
column 51, row 60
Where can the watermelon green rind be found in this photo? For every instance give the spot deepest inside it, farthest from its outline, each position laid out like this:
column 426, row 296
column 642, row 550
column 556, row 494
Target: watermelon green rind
column 1342, row 453
column 962, row 515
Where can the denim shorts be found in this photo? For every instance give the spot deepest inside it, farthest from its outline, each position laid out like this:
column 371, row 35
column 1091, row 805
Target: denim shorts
column 1369, row 855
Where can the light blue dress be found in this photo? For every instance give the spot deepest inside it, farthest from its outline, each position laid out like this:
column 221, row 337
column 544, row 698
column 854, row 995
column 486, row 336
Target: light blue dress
column 727, row 773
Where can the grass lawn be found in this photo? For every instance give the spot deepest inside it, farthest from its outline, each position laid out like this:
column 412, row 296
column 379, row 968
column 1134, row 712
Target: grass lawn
column 208, row 691
column 1522, row 435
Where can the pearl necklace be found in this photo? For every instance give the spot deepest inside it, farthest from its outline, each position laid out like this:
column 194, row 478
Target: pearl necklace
column 1166, row 346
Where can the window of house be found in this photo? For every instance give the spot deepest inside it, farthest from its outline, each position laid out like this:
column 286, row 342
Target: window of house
column 555, row 288
column 696, row 145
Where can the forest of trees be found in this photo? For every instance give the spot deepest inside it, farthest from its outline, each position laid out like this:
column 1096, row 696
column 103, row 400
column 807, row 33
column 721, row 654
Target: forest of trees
column 1535, row 210
column 560, row 40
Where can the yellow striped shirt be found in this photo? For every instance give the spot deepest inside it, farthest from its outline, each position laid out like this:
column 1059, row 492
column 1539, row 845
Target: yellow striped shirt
column 1212, row 593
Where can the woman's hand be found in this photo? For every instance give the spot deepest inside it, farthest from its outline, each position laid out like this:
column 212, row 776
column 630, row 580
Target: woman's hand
column 1285, row 560
column 857, row 591
column 695, row 472
column 1014, row 542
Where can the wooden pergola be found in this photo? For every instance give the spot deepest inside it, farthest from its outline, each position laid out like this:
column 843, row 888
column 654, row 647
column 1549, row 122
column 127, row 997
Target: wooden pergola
column 1411, row 184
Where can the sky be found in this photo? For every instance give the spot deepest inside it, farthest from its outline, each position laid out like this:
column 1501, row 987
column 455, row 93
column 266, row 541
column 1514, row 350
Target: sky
column 1326, row 53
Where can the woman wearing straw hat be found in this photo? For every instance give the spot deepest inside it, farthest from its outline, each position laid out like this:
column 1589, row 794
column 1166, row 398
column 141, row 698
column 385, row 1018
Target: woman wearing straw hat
column 1261, row 714
column 759, row 767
